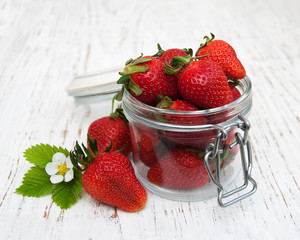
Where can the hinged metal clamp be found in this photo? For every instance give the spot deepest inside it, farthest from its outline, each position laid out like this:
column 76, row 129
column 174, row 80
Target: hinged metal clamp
column 213, row 152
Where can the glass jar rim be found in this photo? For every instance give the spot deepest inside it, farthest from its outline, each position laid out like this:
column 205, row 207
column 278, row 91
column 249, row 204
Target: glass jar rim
column 244, row 83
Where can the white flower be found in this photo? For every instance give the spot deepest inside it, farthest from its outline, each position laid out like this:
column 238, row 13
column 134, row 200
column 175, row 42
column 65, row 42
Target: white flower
column 61, row 168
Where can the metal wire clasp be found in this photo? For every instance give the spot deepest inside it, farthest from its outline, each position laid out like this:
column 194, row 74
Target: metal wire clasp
column 213, row 152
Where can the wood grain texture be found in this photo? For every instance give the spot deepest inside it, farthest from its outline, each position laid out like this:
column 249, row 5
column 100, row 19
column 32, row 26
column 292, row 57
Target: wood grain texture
column 45, row 43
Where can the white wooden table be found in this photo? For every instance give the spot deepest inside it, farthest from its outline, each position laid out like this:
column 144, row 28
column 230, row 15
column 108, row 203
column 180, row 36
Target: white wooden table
column 43, row 44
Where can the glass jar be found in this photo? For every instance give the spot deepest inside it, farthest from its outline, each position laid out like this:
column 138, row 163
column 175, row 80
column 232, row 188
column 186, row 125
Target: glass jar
column 184, row 156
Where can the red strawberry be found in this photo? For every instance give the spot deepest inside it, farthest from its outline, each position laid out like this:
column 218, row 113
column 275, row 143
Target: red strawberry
column 113, row 129
column 177, row 106
column 146, row 148
column 227, row 114
column 223, row 54
column 235, row 92
column 194, row 139
column 110, row 179
column 198, row 139
column 204, row 84
column 145, row 78
column 166, row 56
column 179, row 168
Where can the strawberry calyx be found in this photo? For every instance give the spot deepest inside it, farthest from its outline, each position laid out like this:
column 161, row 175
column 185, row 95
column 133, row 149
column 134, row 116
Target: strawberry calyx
column 81, row 156
column 164, row 102
column 207, row 40
column 201, row 153
column 107, row 149
column 177, row 63
column 233, row 82
column 160, row 52
column 120, row 114
column 131, row 66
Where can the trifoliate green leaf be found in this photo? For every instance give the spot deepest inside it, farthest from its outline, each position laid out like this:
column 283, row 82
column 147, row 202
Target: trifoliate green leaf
column 36, row 183
column 42, row 154
column 65, row 194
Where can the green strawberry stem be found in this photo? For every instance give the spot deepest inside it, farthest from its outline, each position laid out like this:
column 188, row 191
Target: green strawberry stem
column 207, row 40
column 160, row 51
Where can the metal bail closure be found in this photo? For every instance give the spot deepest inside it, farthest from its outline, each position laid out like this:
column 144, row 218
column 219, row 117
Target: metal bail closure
column 213, row 152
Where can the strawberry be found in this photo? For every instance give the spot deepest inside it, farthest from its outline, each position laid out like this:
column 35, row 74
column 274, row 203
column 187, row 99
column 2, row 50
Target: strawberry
column 222, row 53
column 113, row 128
column 177, row 106
column 146, row 148
column 179, row 168
column 225, row 115
column 110, row 179
column 166, row 56
column 204, row 84
column 235, row 92
column 195, row 139
column 145, row 79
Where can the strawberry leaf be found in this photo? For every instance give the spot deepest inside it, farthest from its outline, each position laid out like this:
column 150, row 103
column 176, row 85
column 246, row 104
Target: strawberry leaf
column 160, row 51
column 129, row 61
column 188, row 51
column 41, row 154
column 36, row 183
column 165, row 102
column 134, row 87
column 65, row 194
column 123, row 79
column 142, row 60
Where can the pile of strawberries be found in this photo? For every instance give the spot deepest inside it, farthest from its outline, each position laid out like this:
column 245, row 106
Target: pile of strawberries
column 172, row 79
column 201, row 80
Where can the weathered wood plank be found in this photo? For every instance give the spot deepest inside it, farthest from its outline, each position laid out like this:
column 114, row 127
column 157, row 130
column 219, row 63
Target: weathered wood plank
column 45, row 43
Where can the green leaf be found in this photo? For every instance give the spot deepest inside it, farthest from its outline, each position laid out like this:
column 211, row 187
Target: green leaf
column 188, row 51
column 135, row 88
column 137, row 68
column 41, row 154
column 36, row 183
column 65, row 194
column 142, row 60
column 164, row 102
column 129, row 61
column 93, row 144
column 123, row 79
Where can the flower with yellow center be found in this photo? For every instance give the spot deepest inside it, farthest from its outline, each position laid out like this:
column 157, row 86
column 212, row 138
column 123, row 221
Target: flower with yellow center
column 61, row 168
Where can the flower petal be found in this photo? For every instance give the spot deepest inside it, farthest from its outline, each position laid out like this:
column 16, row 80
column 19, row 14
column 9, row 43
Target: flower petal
column 59, row 157
column 56, row 179
column 51, row 168
column 69, row 175
column 69, row 163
